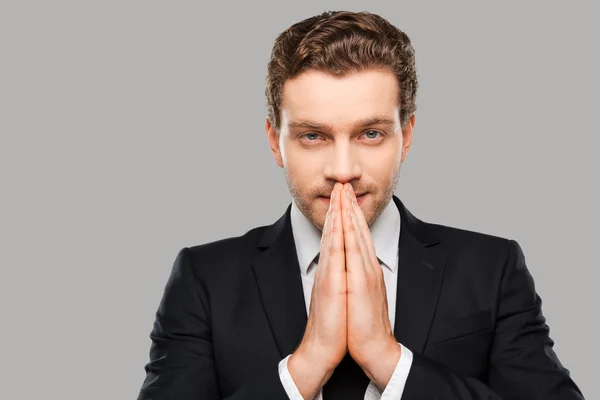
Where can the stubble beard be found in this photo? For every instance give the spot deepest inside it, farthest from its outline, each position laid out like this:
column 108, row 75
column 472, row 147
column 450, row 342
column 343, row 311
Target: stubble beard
column 303, row 201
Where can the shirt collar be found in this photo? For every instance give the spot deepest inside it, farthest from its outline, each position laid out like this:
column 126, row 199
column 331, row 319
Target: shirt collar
column 385, row 232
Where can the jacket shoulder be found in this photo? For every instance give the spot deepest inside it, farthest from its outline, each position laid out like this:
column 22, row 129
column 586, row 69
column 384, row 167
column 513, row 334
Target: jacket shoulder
column 230, row 246
column 224, row 257
column 468, row 244
column 458, row 235
column 477, row 257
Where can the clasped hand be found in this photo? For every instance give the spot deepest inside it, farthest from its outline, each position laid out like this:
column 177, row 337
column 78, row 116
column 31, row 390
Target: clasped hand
column 348, row 310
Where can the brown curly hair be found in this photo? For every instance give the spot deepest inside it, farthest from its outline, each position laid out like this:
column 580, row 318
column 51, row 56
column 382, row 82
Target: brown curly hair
column 339, row 43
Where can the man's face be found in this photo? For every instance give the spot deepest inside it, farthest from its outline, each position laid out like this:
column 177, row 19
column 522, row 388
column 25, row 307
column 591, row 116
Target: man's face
column 340, row 130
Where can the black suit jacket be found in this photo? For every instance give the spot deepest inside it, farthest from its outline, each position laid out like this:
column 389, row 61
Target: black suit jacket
column 466, row 306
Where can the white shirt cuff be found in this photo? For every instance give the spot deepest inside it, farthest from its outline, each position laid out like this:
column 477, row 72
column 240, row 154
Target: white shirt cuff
column 395, row 387
column 289, row 385
column 392, row 391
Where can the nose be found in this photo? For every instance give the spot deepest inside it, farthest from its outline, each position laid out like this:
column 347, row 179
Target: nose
column 342, row 164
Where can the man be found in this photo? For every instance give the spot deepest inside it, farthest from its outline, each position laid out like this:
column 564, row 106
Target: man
column 349, row 295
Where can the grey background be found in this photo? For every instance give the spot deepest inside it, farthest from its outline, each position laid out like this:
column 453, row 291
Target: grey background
column 130, row 129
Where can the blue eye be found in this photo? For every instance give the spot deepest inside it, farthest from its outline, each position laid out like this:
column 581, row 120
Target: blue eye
column 370, row 137
column 314, row 135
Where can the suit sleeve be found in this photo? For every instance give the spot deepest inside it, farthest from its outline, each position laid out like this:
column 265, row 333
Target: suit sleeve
column 181, row 362
column 522, row 363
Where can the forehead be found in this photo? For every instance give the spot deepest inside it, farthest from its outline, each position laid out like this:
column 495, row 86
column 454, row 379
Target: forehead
column 321, row 97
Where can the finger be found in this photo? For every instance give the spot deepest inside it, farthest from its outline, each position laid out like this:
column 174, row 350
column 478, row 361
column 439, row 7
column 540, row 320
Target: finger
column 354, row 254
column 336, row 241
column 323, row 246
column 328, row 230
column 326, row 227
column 360, row 235
column 327, row 223
column 365, row 233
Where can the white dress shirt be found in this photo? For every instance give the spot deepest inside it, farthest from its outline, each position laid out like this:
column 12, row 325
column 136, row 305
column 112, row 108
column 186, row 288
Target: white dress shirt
column 385, row 232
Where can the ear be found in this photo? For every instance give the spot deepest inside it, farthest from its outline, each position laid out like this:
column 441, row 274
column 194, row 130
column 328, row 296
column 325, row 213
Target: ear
column 407, row 134
column 273, row 138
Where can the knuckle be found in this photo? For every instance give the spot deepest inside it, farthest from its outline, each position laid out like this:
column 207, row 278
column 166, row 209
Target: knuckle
column 333, row 249
column 354, row 249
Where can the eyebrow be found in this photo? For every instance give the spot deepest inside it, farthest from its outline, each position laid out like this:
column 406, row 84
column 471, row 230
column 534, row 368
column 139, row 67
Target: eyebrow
column 374, row 120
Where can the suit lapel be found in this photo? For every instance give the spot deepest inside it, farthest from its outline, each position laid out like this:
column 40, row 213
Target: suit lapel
column 421, row 263
column 277, row 273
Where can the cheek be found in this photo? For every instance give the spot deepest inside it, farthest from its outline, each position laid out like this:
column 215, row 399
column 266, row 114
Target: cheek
column 304, row 177
column 379, row 166
column 302, row 166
